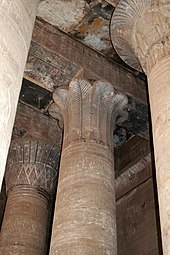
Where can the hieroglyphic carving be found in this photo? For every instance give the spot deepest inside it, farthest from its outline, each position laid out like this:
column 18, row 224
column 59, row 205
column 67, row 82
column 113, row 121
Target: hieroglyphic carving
column 16, row 24
column 89, row 111
column 141, row 34
column 32, row 163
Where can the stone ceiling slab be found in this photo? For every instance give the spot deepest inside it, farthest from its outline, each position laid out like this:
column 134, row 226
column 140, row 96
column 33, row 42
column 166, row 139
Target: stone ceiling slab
column 63, row 14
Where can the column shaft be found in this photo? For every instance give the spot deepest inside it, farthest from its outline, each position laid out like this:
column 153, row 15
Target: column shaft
column 24, row 227
column 85, row 219
column 140, row 33
column 30, row 177
column 16, row 25
column 159, row 93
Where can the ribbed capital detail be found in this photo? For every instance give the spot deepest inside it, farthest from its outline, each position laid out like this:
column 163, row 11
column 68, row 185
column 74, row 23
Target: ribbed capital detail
column 32, row 163
column 140, row 32
column 90, row 111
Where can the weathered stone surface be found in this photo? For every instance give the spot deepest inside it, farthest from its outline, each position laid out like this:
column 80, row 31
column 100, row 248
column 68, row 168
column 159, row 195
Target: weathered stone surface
column 63, row 14
column 141, row 35
column 133, row 176
column 137, row 210
column 90, row 111
column 17, row 20
column 48, row 69
column 113, row 2
column 32, row 123
column 30, row 178
column 32, row 163
column 24, row 226
column 159, row 89
column 93, row 31
column 136, row 222
column 130, row 153
column 95, row 65
column 84, row 218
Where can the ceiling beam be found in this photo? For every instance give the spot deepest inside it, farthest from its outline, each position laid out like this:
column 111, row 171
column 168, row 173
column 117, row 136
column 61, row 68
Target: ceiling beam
column 96, row 66
column 130, row 153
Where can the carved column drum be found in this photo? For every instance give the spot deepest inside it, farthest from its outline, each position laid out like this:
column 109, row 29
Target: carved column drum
column 16, row 24
column 140, row 31
column 30, row 178
column 85, row 216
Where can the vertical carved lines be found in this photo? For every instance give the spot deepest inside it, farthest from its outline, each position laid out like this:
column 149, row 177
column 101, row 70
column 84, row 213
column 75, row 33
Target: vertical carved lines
column 75, row 97
column 16, row 29
column 32, row 163
column 139, row 31
column 90, row 109
column 86, row 88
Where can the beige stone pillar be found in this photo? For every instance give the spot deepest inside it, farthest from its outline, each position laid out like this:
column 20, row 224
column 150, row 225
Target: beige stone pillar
column 141, row 35
column 30, row 180
column 16, row 25
column 85, row 217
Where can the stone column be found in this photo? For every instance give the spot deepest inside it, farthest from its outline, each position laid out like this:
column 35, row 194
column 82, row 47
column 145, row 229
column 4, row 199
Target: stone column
column 16, row 25
column 140, row 32
column 85, row 217
column 30, row 181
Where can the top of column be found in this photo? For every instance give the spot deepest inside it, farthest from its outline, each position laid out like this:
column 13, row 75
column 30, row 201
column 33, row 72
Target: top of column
column 140, row 31
column 32, row 163
column 90, row 111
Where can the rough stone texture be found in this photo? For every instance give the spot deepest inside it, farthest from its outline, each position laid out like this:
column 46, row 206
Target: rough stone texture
column 17, row 21
column 96, row 66
column 32, row 163
column 85, row 212
column 63, row 14
column 94, row 28
column 30, row 179
column 113, row 2
column 141, row 35
column 48, row 69
column 159, row 90
column 34, row 124
column 138, row 228
column 24, row 224
column 86, row 20
column 136, row 222
column 133, row 176
column 84, row 218
column 135, row 149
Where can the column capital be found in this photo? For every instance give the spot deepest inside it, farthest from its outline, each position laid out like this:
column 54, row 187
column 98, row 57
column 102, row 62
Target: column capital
column 32, row 163
column 140, row 32
column 89, row 110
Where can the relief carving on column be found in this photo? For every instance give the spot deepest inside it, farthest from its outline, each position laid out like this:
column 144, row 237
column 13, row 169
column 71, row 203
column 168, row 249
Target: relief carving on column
column 140, row 32
column 16, row 25
column 32, row 163
column 89, row 110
